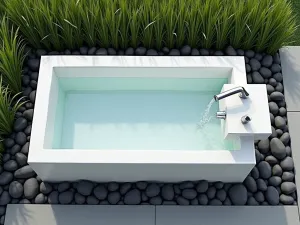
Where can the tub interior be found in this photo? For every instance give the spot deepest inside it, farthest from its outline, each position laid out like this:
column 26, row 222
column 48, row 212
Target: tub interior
column 137, row 113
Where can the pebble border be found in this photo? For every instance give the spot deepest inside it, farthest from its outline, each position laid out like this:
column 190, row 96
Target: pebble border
column 271, row 182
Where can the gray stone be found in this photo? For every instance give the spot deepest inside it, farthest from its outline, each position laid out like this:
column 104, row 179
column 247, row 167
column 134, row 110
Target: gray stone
column 248, row 68
column 219, row 185
column 92, row 51
column 249, row 78
column 276, row 96
column 15, row 189
column 5, row 178
column 114, row 197
column 100, row 192
column 287, row 164
column 274, row 181
column 215, row 202
column 280, row 122
column 285, row 138
column 288, row 188
column 265, row 72
column 34, row 64
column 79, row 199
column 195, row 52
column 165, row 50
column 10, row 165
column 32, row 96
column 271, row 160
column 249, row 53
column 169, row 203
column 105, row 203
column 273, row 107
column 63, row 186
column 189, row 193
column 101, row 51
column 28, row 114
column 14, row 150
column 227, row 201
column 66, row 197
column 2, row 210
column 255, row 64
column 194, row 201
column 83, row 50
column 24, row 172
column 21, row 159
column 124, row 188
column 275, row 68
column 40, row 199
column 185, row 50
column 279, row 87
column 140, row 51
column 279, row 133
column 238, row 194
column 112, row 186
column 272, row 82
column 282, row 111
column 31, row 188
column 9, row 142
column 211, row 192
column 53, row 197
column 182, row 201
column 142, row 185
column 288, row 176
column 277, row 148
column 129, row 51
column 278, row 77
column 240, row 52
column 132, row 197
column 157, row 200
column 202, row 186
column 91, row 200
column 85, row 187
column 45, row 188
column 255, row 173
column 20, row 138
column 24, row 201
column 250, row 184
column 270, row 88
column 264, row 146
column 5, row 158
column 276, row 170
column 288, row 150
column 167, row 192
column 259, row 196
column 257, row 78
column 151, row 52
column 274, row 133
column 272, row 196
column 203, row 199
column 264, row 169
column 221, row 195
column 4, row 198
column 152, row 190
column 20, row 124
column 252, row 201
column 286, row 199
column 144, row 197
column 175, row 52
column 187, row 184
column 25, row 148
column 258, row 56
column 230, row 51
column 218, row 53
column 267, row 61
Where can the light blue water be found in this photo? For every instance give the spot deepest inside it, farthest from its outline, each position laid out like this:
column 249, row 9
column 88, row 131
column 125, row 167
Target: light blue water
column 143, row 118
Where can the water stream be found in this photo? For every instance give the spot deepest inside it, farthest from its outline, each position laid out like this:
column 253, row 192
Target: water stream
column 205, row 118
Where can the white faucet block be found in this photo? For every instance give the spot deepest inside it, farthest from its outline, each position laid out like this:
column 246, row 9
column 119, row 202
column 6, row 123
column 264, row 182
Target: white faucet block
column 255, row 106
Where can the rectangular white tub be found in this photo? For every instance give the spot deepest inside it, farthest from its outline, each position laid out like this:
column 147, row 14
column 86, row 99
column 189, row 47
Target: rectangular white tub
column 134, row 120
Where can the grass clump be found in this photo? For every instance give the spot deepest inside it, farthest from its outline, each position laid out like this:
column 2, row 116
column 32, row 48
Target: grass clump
column 11, row 56
column 9, row 104
column 250, row 24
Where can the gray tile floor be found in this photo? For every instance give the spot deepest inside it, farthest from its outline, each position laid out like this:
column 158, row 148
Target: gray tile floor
column 150, row 215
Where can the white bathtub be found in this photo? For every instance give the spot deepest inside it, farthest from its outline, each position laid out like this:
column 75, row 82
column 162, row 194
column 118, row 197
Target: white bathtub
column 79, row 158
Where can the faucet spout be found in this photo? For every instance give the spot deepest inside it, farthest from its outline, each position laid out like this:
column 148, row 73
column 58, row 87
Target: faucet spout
column 237, row 90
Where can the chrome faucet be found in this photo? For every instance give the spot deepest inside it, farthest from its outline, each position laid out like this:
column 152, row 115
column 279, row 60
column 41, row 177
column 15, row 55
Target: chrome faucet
column 241, row 90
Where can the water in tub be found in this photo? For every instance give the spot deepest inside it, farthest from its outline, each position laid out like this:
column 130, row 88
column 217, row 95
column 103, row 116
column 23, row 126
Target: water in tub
column 139, row 119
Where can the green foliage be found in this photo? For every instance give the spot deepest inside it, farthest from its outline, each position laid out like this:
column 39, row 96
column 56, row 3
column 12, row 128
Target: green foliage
column 9, row 104
column 57, row 24
column 11, row 56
